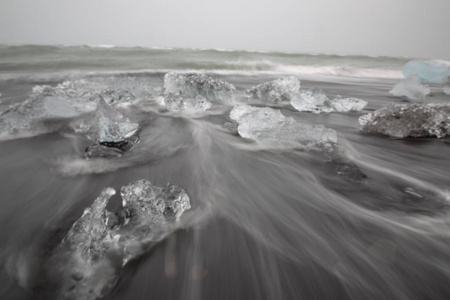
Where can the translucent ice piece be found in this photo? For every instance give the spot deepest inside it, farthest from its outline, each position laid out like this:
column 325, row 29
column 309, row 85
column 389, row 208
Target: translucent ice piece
column 30, row 115
column 176, row 103
column 341, row 104
column 409, row 120
column 89, row 235
column 107, row 125
column 274, row 91
column 126, row 89
column 410, row 88
column 271, row 127
column 100, row 242
column 312, row 100
column 69, row 99
column 112, row 89
column 427, row 71
column 152, row 210
column 192, row 85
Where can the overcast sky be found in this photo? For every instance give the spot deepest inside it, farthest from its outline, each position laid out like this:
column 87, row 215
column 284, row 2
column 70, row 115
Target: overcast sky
column 414, row 28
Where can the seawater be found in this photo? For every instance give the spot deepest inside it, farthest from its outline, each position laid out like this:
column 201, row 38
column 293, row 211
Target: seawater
column 265, row 223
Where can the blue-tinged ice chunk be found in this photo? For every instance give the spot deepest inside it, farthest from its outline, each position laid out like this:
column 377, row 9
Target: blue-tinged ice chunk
column 427, row 71
column 312, row 100
column 274, row 91
column 100, row 242
column 185, row 88
column 409, row 120
column 410, row 88
column 270, row 127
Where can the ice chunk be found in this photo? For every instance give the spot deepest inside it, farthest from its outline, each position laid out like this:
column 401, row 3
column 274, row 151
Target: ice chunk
column 427, row 71
column 410, row 88
column 112, row 89
column 127, row 89
column 32, row 114
column 312, row 100
column 107, row 125
column 409, row 120
column 274, row 91
column 182, row 90
column 101, row 242
column 113, row 133
column 315, row 101
column 446, row 89
column 176, row 103
column 69, row 99
column 152, row 210
column 341, row 104
column 271, row 127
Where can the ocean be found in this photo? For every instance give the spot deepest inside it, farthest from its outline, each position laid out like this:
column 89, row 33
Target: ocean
column 266, row 221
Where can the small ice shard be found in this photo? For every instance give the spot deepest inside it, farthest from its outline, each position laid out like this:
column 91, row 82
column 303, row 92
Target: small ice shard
column 101, row 242
column 312, row 100
column 341, row 104
column 427, row 71
column 176, row 103
column 269, row 126
column 192, row 91
column 274, row 91
column 410, row 88
column 446, row 89
column 109, row 128
column 409, row 120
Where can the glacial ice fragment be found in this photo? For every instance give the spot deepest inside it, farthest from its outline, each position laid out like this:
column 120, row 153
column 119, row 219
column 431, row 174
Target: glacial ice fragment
column 109, row 129
column 312, row 100
column 269, row 126
column 112, row 89
column 409, row 120
column 101, row 242
column 32, row 114
column 107, row 125
column 427, row 71
column 176, row 103
column 193, row 91
column 69, row 99
column 341, row 104
column 315, row 101
column 274, row 91
column 410, row 88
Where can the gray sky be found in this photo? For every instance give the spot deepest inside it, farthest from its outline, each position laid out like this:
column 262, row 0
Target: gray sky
column 415, row 28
